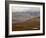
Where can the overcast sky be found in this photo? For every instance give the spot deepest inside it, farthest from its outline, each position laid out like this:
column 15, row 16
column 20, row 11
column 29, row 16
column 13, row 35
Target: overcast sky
column 24, row 9
column 22, row 13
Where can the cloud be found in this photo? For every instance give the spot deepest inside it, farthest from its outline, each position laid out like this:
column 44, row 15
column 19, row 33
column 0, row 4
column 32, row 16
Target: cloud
column 25, row 9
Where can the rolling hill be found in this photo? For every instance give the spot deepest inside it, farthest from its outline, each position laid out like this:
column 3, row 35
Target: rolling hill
column 31, row 24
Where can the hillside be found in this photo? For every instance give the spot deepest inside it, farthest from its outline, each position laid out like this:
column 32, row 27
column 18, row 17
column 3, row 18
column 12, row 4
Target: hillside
column 32, row 24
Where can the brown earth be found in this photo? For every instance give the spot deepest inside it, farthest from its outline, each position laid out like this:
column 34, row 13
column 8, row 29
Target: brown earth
column 28, row 25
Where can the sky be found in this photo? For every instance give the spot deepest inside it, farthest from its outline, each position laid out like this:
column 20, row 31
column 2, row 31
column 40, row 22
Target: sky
column 24, row 8
column 23, row 13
